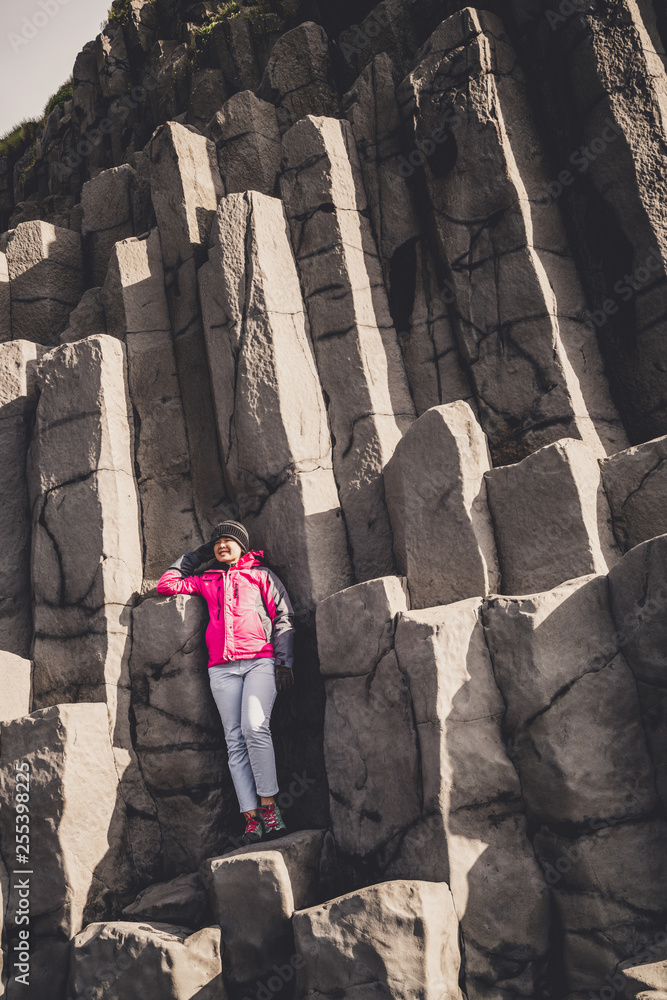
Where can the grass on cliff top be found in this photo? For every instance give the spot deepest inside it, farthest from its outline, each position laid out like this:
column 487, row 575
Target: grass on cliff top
column 15, row 142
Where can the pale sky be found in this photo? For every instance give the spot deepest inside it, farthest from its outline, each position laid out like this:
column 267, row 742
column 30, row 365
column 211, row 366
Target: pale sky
column 31, row 71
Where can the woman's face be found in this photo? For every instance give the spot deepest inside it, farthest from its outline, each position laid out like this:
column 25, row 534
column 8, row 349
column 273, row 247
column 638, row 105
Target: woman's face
column 227, row 550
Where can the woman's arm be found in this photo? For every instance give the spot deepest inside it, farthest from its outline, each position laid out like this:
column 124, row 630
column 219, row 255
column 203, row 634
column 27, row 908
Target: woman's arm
column 178, row 579
column 281, row 613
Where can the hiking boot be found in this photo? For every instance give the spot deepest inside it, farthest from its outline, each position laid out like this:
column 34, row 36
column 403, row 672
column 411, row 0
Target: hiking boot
column 273, row 822
column 254, row 830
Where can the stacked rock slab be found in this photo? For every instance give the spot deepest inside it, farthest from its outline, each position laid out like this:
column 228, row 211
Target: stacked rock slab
column 399, row 939
column 177, row 733
column 17, row 404
column 132, row 961
column 79, row 868
column 272, row 421
column 370, row 405
column 635, row 482
column 418, row 303
column 551, row 518
column 534, row 365
column 186, row 188
column 107, row 217
column 298, row 77
column 136, row 312
column 246, row 135
column 46, row 280
column 16, row 686
column 436, row 495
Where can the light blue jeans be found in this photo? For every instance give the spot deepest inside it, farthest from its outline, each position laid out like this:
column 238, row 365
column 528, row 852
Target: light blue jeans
column 244, row 691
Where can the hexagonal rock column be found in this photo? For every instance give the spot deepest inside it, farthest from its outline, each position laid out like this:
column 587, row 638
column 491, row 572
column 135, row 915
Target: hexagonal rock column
column 430, row 352
column 341, row 276
column 551, row 518
column 635, row 482
column 436, row 496
column 645, row 975
column 46, row 280
column 367, row 711
column 80, row 867
column 253, row 902
column 271, row 416
column 574, row 720
column 186, row 188
column 136, row 309
column 86, row 560
column 16, row 686
column 534, row 363
column 472, row 831
column 246, row 135
column 619, row 135
column 132, row 962
column 5, row 300
column 299, row 77
column 638, row 597
column 107, row 217
column 17, row 403
column 177, row 734
column 398, row 938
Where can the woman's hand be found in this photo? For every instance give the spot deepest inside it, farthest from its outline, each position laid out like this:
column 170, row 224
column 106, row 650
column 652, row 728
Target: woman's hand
column 284, row 678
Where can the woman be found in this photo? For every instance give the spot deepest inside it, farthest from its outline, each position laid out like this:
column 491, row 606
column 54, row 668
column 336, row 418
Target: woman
column 250, row 639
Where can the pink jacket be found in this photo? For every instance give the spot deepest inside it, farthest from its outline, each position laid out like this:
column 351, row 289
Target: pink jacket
column 250, row 612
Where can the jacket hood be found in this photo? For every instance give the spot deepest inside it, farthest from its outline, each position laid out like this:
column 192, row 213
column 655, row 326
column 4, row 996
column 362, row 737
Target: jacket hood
column 247, row 561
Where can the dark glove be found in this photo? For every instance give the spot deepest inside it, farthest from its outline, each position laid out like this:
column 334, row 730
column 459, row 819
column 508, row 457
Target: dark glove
column 205, row 552
column 187, row 564
column 284, row 678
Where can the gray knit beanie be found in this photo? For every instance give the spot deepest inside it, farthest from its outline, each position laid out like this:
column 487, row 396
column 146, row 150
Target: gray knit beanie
column 231, row 529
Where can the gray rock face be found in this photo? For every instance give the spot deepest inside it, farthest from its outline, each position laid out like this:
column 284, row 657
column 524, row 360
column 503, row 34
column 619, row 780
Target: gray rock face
column 298, row 77
column 430, row 353
column 18, row 359
column 351, row 326
column 186, row 188
column 136, row 307
column 178, row 735
column 46, row 280
column 207, row 94
column 247, row 138
column 233, row 44
column 170, row 67
column 635, row 482
column 83, row 869
column 113, row 66
column 514, row 307
column 551, row 518
column 398, row 939
column 436, row 496
column 16, row 684
column 87, row 320
column 610, row 890
column 131, row 961
column 271, row 416
column 183, row 902
column 107, row 217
